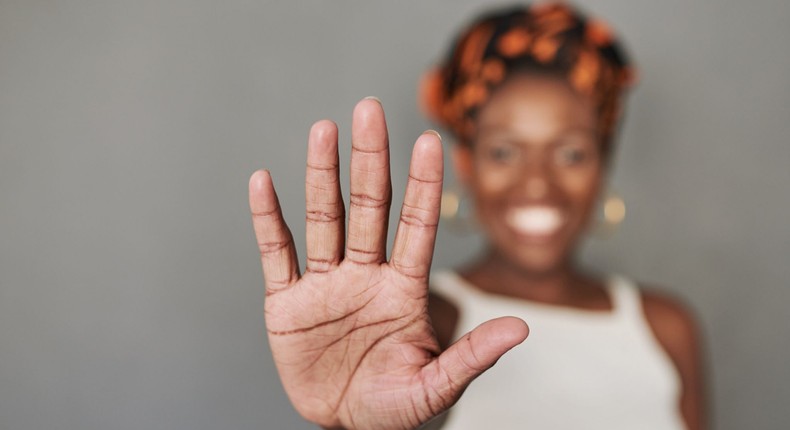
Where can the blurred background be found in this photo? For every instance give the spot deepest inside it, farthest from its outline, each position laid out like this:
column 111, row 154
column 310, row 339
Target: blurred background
column 130, row 287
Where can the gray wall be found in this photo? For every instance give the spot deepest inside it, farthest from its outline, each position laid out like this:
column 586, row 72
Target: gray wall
column 130, row 286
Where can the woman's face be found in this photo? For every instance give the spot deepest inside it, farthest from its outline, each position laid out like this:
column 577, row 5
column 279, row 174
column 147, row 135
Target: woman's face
column 533, row 170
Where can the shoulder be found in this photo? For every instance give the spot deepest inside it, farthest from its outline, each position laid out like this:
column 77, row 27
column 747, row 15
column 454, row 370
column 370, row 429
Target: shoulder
column 672, row 321
column 676, row 328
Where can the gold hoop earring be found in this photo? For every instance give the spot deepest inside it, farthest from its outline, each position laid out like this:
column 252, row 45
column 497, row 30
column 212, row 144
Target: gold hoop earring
column 455, row 212
column 613, row 213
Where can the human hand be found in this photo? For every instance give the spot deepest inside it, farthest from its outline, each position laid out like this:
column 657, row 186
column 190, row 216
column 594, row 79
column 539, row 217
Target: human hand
column 351, row 337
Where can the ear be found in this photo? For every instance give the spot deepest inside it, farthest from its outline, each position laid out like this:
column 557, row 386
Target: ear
column 463, row 163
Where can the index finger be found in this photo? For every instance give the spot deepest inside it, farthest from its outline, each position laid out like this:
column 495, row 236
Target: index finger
column 419, row 219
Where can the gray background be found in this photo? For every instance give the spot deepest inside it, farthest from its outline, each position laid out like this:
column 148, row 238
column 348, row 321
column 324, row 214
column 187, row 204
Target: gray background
column 130, row 286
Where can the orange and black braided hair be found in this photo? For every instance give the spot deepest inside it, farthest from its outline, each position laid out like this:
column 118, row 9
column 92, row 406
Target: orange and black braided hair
column 547, row 37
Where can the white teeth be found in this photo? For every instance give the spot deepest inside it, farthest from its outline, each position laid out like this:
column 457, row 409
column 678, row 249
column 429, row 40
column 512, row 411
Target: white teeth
column 536, row 220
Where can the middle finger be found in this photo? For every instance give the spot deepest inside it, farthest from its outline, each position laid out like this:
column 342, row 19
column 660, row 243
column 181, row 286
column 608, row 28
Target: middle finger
column 371, row 190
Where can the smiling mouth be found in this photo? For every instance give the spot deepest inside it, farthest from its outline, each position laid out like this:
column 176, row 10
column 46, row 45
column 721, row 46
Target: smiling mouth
column 537, row 222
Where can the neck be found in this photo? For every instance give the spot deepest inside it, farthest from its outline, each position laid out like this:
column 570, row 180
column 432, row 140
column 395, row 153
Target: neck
column 497, row 274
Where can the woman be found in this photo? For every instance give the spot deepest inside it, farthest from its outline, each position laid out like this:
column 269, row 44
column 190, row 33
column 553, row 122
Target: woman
column 532, row 96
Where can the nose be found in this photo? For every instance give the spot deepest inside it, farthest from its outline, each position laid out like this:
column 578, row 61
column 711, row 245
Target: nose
column 537, row 187
column 536, row 178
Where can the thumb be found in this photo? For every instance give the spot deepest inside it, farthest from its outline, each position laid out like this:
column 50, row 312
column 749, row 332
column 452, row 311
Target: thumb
column 448, row 376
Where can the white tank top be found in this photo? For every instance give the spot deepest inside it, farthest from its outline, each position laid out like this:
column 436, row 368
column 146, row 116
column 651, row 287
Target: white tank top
column 577, row 370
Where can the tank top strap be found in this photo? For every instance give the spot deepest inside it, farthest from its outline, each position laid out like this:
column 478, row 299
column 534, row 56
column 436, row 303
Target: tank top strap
column 451, row 286
column 626, row 299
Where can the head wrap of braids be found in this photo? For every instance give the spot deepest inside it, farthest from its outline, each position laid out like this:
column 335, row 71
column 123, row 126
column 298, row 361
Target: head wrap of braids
column 544, row 38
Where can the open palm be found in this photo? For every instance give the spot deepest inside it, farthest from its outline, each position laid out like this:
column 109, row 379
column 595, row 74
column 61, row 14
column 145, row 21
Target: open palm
column 351, row 337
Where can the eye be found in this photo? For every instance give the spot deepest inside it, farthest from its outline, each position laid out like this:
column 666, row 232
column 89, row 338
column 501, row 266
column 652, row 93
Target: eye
column 573, row 155
column 500, row 152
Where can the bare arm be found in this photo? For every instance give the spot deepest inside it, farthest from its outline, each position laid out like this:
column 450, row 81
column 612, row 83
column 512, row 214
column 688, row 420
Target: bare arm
column 678, row 332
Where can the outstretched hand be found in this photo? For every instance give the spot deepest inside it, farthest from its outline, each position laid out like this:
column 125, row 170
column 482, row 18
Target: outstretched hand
column 351, row 337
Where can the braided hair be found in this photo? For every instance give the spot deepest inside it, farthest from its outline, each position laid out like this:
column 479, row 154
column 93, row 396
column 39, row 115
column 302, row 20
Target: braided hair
column 544, row 38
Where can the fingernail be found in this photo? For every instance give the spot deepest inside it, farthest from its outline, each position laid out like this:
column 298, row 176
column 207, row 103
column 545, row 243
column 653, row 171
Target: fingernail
column 373, row 98
column 434, row 132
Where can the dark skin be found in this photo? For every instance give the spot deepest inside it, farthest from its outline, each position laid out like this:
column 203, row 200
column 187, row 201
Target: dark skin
column 537, row 146
column 352, row 336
